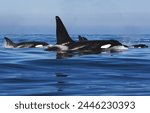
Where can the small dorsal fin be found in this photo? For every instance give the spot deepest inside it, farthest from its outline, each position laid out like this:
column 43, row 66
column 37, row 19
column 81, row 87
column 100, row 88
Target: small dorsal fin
column 61, row 32
column 8, row 43
column 82, row 38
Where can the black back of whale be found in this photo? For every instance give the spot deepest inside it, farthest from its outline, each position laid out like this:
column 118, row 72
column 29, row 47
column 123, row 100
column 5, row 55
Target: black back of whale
column 64, row 38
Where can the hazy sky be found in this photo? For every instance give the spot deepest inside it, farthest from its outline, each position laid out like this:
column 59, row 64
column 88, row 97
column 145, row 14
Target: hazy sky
column 79, row 16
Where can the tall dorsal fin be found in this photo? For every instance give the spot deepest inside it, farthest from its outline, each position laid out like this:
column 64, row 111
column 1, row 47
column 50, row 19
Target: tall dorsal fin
column 61, row 32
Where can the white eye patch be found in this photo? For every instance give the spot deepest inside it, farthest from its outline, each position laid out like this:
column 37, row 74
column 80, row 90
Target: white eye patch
column 39, row 46
column 106, row 46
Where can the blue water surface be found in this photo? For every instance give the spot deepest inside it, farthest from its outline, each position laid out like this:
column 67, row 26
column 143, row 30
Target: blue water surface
column 33, row 71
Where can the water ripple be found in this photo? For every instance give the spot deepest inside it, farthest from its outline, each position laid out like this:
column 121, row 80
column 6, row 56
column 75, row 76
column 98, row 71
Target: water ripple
column 38, row 72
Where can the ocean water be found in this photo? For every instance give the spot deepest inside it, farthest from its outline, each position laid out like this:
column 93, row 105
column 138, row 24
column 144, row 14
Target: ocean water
column 33, row 71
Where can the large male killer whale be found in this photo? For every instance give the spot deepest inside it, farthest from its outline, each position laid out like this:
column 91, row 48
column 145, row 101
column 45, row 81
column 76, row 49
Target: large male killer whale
column 65, row 43
column 30, row 44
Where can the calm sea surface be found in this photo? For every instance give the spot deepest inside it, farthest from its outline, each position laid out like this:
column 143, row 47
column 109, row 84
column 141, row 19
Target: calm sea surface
column 33, row 71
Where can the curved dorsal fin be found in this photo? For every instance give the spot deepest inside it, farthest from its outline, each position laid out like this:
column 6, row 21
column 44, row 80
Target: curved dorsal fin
column 82, row 38
column 61, row 32
column 8, row 43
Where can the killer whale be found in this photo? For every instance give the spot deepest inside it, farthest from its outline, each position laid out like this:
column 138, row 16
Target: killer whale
column 31, row 44
column 81, row 38
column 139, row 46
column 65, row 42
